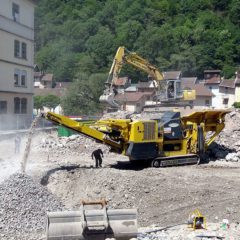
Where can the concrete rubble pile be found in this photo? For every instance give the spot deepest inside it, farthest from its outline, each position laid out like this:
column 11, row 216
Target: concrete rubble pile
column 23, row 207
column 72, row 145
column 227, row 145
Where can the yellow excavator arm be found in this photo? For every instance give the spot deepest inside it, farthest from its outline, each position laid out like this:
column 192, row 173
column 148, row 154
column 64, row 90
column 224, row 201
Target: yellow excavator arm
column 166, row 90
column 123, row 55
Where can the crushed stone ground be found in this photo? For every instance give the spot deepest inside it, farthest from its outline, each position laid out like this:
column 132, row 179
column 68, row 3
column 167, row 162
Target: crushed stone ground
column 64, row 169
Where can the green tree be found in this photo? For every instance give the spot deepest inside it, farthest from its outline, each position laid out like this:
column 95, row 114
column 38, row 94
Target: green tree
column 38, row 102
column 51, row 101
column 83, row 36
column 83, row 95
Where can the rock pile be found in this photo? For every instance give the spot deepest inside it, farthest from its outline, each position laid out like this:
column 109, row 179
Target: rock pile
column 72, row 145
column 23, row 207
column 227, row 145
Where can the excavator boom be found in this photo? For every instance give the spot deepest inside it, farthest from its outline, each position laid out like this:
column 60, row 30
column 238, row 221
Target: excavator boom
column 165, row 90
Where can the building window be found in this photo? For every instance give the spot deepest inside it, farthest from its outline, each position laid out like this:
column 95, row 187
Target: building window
column 24, row 50
column 24, row 78
column 16, row 77
column 16, row 48
column 225, row 90
column 20, row 105
column 17, row 105
column 3, row 107
column 15, row 12
column 20, row 49
column 225, row 101
column 23, row 105
column 20, row 78
column 207, row 102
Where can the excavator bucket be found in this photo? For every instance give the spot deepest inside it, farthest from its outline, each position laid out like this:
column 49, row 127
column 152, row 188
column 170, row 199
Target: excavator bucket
column 108, row 98
column 92, row 224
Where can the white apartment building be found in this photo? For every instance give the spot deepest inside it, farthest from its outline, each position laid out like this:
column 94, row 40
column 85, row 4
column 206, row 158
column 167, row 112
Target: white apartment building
column 16, row 63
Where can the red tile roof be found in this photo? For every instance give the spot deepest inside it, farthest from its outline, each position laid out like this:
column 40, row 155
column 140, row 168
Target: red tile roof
column 121, row 81
column 230, row 83
column 202, row 91
column 131, row 96
column 212, row 76
column 188, row 82
column 213, row 80
column 212, row 71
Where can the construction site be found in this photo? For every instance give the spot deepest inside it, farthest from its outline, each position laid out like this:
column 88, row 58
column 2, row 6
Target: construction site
column 146, row 150
column 166, row 172
column 60, row 172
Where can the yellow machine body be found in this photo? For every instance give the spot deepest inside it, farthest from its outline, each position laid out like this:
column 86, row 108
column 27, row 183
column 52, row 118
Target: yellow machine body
column 170, row 137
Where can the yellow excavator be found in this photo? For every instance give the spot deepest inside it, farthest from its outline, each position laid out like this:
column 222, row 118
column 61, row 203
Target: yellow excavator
column 167, row 91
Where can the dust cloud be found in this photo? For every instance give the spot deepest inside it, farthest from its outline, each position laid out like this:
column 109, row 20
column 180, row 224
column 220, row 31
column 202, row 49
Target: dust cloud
column 9, row 159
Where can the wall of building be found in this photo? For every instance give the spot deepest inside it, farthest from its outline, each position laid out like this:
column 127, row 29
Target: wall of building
column 216, row 99
column 7, row 78
column 12, row 120
column 200, row 102
column 229, row 94
column 21, row 29
column 26, row 16
column 7, row 49
column 237, row 94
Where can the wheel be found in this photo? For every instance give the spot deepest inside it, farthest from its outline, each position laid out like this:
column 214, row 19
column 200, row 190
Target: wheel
column 155, row 163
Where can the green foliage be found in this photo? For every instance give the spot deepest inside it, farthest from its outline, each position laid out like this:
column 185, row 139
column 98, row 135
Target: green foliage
column 188, row 35
column 236, row 104
column 50, row 101
column 38, row 102
column 83, row 95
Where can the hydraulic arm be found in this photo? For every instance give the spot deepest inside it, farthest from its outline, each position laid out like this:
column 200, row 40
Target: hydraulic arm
column 169, row 90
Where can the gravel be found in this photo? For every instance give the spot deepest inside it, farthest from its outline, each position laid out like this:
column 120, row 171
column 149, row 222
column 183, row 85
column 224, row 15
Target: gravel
column 23, row 206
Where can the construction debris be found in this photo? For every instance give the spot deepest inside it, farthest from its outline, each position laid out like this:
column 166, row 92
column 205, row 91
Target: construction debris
column 181, row 232
column 227, row 146
column 162, row 196
column 24, row 204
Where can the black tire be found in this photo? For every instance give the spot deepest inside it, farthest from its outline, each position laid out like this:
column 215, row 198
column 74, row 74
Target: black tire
column 155, row 163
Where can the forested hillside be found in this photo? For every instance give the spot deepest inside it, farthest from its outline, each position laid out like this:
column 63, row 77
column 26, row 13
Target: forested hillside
column 77, row 36
column 80, row 37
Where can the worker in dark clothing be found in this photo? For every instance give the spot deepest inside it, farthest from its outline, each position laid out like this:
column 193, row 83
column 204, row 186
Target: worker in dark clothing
column 98, row 154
